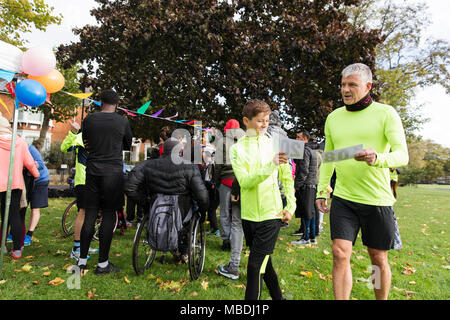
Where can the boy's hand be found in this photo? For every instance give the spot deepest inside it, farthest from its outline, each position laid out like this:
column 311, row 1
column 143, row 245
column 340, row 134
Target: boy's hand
column 280, row 158
column 286, row 216
column 322, row 205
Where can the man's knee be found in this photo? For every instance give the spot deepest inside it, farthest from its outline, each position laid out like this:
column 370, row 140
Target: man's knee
column 378, row 257
column 342, row 251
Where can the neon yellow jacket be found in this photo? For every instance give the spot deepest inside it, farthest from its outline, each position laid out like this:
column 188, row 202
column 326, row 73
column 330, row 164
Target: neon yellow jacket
column 75, row 142
column 252, row 162
column 379, row 127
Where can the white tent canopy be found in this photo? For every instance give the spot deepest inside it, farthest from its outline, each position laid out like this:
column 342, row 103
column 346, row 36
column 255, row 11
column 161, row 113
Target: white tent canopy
column 10, row 57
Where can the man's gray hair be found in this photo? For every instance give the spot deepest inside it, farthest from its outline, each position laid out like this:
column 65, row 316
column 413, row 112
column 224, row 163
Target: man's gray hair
column 358, row 68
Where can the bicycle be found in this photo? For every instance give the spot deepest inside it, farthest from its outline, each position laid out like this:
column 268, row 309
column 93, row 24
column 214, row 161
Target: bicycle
column 69, row 216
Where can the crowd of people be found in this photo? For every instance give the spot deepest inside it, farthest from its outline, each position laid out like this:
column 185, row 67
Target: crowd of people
column 257, row 191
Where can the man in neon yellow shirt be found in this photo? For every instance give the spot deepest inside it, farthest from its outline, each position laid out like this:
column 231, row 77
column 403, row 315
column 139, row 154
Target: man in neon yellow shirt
column 362, row 197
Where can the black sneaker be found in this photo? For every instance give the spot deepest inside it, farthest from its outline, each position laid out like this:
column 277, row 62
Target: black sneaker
column 108, row 269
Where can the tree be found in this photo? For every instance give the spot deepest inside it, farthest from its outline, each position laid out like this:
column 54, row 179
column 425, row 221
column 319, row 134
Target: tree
column 405, row 61
column 19, row 16
column 204, row 59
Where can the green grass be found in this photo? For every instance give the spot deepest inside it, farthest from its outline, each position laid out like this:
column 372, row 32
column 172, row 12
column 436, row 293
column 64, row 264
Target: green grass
column 422, row 212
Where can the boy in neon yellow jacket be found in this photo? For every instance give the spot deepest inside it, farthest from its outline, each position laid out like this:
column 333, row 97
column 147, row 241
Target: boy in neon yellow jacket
column 257, row 167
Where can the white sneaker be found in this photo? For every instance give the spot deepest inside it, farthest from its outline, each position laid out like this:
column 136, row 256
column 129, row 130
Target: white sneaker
column 300, row 242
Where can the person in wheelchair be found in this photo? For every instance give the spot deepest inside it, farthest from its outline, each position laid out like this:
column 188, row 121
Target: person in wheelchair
column 170, row 174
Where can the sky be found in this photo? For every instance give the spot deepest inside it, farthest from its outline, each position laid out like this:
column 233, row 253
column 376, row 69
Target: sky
column 436, row 101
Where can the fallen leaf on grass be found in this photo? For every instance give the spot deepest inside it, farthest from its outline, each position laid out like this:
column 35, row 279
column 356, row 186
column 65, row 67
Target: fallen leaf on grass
column 193, row 294
column 26, row 267
column 240, row 286
column 359, row 257
column 126, row 280
column 46, row 274
column 35, row 282
column 2, row 281
column 57, row 281
column 325, row 252
column 446, row 267
column 91, row 295
column 29, row 257
column 412, row 282
column 306, row 274
column 204, row 285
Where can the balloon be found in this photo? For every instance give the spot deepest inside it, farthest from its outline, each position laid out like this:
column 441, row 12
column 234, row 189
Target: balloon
column 38, row 61
column 52, row 81
column 10, row 57
column 31, row 93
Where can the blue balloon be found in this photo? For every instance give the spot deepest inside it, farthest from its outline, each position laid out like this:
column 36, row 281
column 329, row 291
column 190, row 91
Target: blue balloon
column 31, row 93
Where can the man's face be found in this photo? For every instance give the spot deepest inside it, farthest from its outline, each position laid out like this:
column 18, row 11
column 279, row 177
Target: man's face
column 258, row 123
column 353, row 88
column 301, row 137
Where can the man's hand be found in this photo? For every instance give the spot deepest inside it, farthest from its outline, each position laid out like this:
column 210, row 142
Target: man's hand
column 280, row 158
column 322, row 205
column 234, row 198
column 368, row 155
column 74, row 127
column 285, row 216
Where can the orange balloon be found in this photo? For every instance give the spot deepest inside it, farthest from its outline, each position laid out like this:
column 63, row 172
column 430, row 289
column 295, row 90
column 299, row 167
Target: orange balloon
column 52, row 81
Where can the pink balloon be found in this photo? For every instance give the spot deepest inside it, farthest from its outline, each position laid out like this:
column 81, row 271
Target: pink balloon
column 38, row 61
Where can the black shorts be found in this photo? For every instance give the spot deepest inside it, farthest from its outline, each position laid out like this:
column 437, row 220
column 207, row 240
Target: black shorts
column 80, row 190
column 261, row 237
column 105, row 192
column 377, row 223
column 39, row 196
column 306, row 207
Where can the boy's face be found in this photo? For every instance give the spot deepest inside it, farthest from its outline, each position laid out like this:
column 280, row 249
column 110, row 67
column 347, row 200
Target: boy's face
column 258, row 123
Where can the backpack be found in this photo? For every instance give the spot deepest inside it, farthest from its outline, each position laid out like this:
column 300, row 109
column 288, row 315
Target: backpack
column 164, row 223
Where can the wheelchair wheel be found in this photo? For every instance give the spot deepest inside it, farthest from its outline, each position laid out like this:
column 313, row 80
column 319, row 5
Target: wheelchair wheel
column 99, row 221
column 196, row 247
column 68, row 218
column 143, row 255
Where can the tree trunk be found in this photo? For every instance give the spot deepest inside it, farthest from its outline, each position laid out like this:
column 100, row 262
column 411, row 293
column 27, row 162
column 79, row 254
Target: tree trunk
column 44, row 128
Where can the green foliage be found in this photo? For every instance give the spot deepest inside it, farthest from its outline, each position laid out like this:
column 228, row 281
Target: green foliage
column 20, row 16
column 205, row 59
column 54, row 157
column 405, row 61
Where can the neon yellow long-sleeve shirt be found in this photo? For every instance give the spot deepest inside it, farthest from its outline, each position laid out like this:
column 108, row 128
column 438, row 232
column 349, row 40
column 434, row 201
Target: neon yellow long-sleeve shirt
column 252, row 162
column 379, row 127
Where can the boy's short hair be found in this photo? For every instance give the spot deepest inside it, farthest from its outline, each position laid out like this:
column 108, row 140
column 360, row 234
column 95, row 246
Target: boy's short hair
column 109, row 96
column 254, row 107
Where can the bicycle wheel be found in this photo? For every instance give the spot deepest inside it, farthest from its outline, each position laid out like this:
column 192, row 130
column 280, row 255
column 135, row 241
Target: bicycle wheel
column 68, row 218
column 98, row 223
column 197, row 247
column 143, row 255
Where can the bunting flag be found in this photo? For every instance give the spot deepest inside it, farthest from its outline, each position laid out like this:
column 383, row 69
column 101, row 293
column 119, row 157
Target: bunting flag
column 157, row 113
column 11, row 88
column 80, row 95
column 48, row 99
column 144, row 108
column 127, row 112
column 7, row 75
column 6, row 107
column 140, row 111
column 174, row 116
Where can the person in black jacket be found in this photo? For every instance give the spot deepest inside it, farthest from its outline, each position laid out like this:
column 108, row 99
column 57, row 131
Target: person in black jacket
column 172, row 175
column 305, row 190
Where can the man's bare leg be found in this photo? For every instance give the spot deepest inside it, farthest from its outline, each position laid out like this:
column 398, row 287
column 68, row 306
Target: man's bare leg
column 382, row 277
column 78, row 225
column 342, row 272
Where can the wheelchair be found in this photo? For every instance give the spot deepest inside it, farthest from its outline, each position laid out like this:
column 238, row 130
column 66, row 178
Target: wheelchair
column 143, row 255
